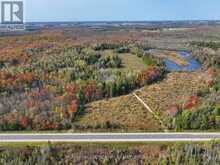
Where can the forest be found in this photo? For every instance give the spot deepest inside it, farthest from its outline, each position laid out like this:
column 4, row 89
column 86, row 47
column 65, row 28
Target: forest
column 48, row 89
column 70, row 78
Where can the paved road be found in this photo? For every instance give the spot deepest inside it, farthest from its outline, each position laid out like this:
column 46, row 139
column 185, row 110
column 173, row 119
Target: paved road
column 109, row 137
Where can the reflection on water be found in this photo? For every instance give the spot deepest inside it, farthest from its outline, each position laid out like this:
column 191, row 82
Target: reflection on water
column 193, row 64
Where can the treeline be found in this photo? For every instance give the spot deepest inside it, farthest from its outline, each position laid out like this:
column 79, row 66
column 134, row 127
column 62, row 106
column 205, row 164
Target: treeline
column 204, row 118
column 212, row 45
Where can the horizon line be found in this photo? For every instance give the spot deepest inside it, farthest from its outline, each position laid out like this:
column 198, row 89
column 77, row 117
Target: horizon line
column 135, row 21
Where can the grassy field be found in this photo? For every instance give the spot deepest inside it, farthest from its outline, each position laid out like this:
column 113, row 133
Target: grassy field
column 123, row 112
column 129, row 61
column 175, row 89
column 127, row 113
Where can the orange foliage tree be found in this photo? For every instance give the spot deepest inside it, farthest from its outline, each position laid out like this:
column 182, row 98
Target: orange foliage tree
column 24, row 122
column 191, row 102
column 73, row 107
column 91, row 92
column 148, row 76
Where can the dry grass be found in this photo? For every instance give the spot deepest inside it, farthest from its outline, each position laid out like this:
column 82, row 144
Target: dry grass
column 132, row 62
column 175, row 89
column 124, row 111
column 128, row 113
column 178, row 60
column 171, row 55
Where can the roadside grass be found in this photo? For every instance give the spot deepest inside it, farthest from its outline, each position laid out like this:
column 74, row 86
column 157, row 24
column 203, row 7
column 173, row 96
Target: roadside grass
column 33, row 132
column 110, row 145
column 22, row 144
column 128, row 130
column 101, row 130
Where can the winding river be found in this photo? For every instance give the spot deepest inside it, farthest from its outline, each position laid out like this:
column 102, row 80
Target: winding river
column 193, row 64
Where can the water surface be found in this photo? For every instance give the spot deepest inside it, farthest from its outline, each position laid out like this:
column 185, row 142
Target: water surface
column 193, row 64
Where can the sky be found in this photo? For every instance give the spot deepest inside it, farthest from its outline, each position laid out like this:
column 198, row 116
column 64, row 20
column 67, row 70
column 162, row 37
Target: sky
column 120, row 10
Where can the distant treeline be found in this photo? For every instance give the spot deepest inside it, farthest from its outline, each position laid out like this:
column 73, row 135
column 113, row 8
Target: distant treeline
column 211, row 44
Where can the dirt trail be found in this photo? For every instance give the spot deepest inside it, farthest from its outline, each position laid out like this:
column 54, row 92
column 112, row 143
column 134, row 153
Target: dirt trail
column 156, row 116
column 129, row 112
column 175, row 89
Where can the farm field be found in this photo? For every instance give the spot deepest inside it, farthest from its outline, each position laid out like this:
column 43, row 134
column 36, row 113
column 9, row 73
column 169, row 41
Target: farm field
column 84, row 79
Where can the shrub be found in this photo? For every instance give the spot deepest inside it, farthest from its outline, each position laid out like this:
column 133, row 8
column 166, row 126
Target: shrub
column 122, row 50
column 105, row 46
column 148, row 60
column 191, row 102
column 110, row 62
column 137, row 50
column 148, row 76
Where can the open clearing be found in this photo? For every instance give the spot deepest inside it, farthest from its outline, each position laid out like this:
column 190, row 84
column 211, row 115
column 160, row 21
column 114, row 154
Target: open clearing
column 174, row 90
column 129, row 61
column 127, row 112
